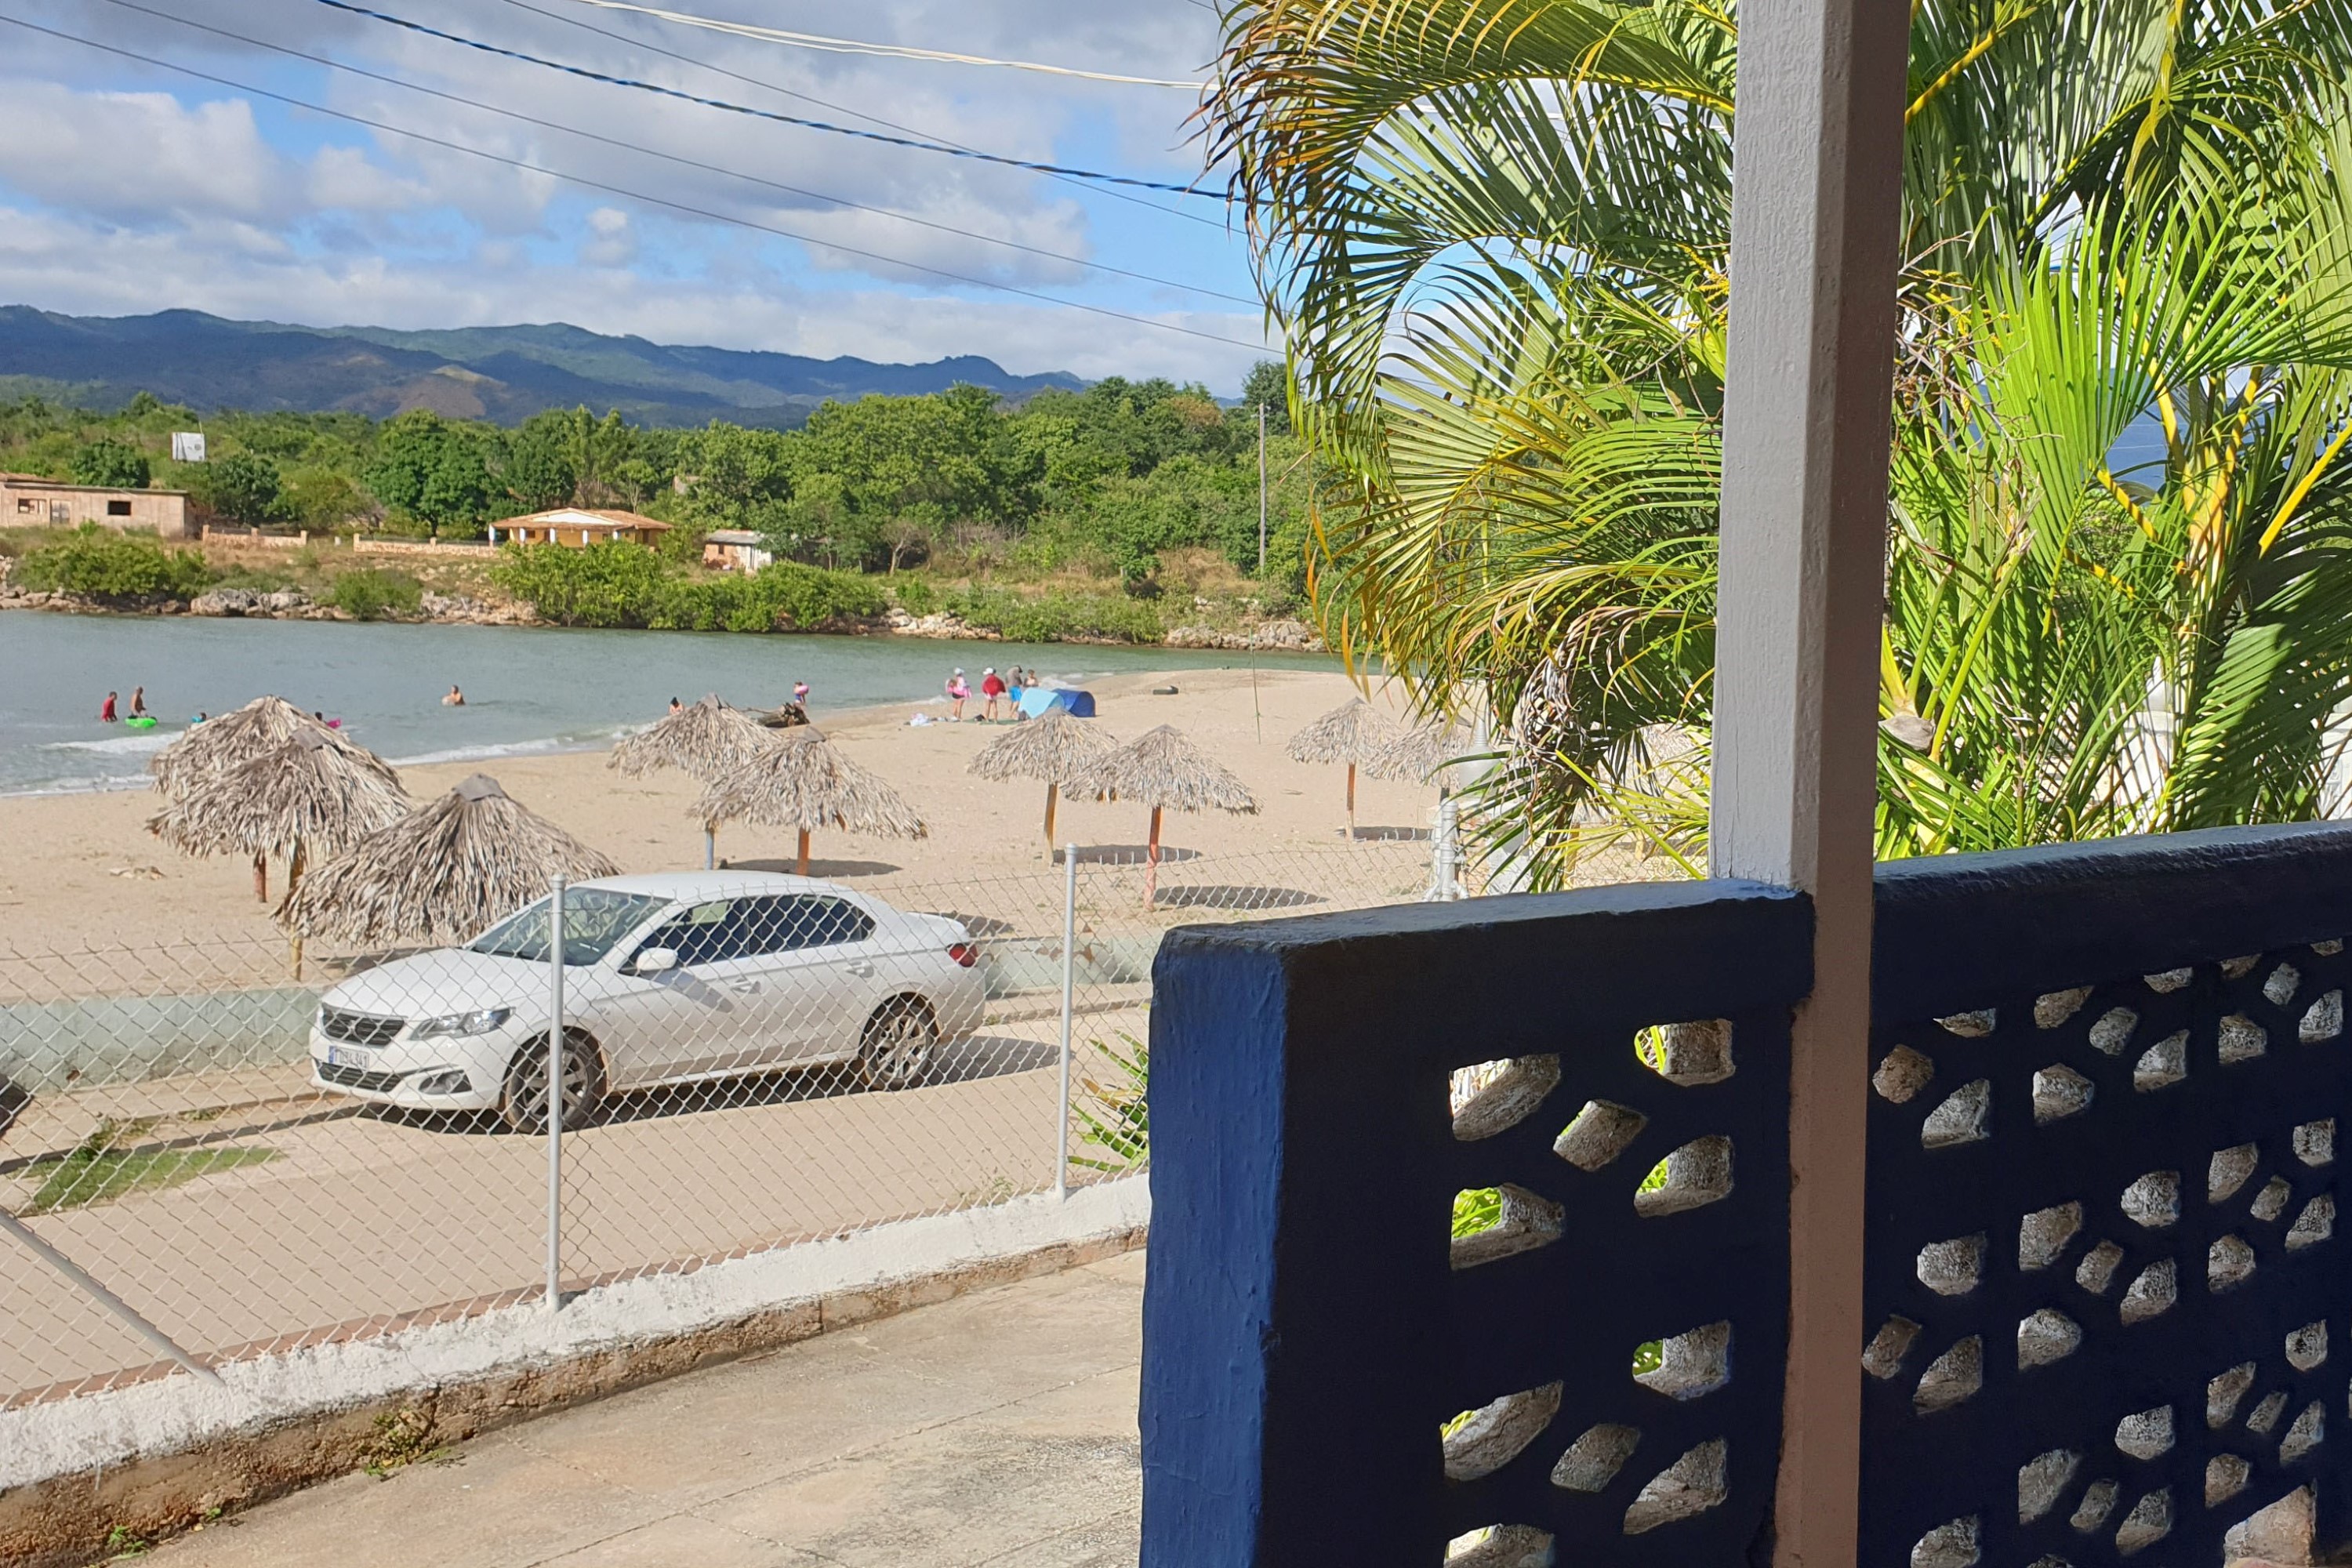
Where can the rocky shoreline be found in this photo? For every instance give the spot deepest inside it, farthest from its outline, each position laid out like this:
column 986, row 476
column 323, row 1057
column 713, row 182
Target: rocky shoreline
column 457, row 609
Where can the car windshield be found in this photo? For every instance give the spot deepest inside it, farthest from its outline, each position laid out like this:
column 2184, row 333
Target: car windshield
column 593, row 920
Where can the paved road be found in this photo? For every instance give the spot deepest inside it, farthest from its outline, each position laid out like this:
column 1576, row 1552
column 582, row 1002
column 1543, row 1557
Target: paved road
column 997, row 1428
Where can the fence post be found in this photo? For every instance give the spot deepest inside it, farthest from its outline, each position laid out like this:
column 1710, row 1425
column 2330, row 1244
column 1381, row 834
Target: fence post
column 1069, row 989
column 82, row 1280
column 555, row 1092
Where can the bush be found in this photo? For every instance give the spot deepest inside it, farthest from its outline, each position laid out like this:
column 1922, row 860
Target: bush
column 371, row 595
column 623, row 585
column 98, row 563
column 1058, row 618
column 242, row 488
column 612, row 584
column 915, row 597
column 117, row 465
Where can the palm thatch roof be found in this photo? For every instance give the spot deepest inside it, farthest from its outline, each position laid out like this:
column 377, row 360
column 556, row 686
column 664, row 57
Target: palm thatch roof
column 1162, row 768
column 263, row 725
column 804, row 780
column 1353, row 732
column 441, row 873
column 706, row 739
column 309, row 792
column 1417, row 756
column 1054, row 748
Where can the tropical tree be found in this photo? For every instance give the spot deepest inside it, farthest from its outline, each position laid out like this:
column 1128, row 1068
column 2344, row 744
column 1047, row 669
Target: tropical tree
column 1496, row 234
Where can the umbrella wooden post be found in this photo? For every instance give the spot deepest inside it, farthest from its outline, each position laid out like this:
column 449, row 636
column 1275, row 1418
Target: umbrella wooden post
column 261, row 877
column 709, row 845
column 1351, row 802
column 1151, row 864
column 296, row 956
column 1052, row 798
column 803, row 869
column 294, row 869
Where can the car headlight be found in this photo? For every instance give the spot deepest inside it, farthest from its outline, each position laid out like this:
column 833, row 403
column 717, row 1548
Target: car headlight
column 480, row 1022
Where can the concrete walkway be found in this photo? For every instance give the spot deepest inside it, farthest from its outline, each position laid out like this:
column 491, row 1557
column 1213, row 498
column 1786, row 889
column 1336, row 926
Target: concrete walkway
column 995, row 1428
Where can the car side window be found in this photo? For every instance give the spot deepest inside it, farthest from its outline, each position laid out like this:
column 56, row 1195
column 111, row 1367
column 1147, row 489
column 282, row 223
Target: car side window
column 837, row 921
column 702, row 934
column 766, row 926
column 802, row 921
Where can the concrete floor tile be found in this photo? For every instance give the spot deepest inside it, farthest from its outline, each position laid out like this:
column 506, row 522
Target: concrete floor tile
column 682, row 1541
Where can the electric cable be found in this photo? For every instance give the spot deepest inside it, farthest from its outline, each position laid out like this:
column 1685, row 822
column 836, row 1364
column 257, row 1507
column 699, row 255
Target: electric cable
column 649, row 199
column 675, row 158
column 802, row 120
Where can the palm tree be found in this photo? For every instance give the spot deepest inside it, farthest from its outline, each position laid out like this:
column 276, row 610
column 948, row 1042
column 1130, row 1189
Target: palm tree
column 1497, row 235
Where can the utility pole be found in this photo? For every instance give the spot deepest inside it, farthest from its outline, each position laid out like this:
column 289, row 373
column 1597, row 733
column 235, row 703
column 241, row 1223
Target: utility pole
column 1261, row 487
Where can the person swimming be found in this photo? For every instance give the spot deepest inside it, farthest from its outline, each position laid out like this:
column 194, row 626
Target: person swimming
column 138, row 703
column 455, row 699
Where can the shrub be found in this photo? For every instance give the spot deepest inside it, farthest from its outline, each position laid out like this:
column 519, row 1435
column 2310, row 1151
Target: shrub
column 611, row 584
column 1058, row 618
column 117, row 465
column 371, row 595
column 915, row 597
column 100, row 564
column 242, row 486
column 623, row 585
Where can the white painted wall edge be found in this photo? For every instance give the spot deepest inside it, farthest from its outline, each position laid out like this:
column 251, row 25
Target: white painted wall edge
column 177, row 1414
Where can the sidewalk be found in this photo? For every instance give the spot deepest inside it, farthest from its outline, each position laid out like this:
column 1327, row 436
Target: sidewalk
column 994, row 1428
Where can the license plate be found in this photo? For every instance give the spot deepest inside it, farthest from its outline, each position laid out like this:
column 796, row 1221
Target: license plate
column 345, row 1056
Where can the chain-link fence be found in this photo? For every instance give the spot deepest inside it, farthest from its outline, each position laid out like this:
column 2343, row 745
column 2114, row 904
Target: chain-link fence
column 205, row 1149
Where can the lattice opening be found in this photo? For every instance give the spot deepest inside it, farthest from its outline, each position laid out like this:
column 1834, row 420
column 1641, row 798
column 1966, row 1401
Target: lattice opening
column 2163, row 1064
column 1502, row 1095
column 2043, row 1481
column 2322, row 1021
column 2229, row 1262
column 1972, row 1026
column 2153, row 1202
column 2226, row 1476
column 2150, row 1522
column 1697, row 1174
column 1593, row 1460
column 2230, row 1170
column 1691, row 1364
column 1902, row 1074
column 2306, row 1347
column 2242, row 1039
column 1601, row 1132
column 1964, row 1117
column 1952, row 1378
column 1954, row 1545
column 2223, row 1395
column 2315, row 1224
column 1492, row 1223
column 2279, row 985
column 1697, row 1481
column 2310, row 1429
column 2153, row 1293
column 2266, row 1415
column 2145, row 1434
column 2046, row 1336
column 1689, row 1054
column 2314, row 1143
column 1952, row 1267
column 2097, row 1269
column 2165, row 982
column 2055, row 1007
column 2059, row 1091
column 1501, row 1546
column 2098, row 1501
column 1494, row 1435
column 1882, row 1357
column 2043, row 1235
column 2113, row 1030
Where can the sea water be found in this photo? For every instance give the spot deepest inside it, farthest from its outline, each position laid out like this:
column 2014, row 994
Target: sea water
column 528, row 688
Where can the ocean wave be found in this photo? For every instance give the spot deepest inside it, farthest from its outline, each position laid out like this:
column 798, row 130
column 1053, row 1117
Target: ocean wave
column 137, row 743
column 546, row 746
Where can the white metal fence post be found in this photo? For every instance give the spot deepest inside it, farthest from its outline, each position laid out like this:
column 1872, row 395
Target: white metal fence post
column 1069, row 989
column 554, row 1092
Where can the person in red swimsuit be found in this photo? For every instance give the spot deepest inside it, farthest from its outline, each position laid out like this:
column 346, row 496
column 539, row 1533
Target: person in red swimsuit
column 991, row 688
column 106, row 713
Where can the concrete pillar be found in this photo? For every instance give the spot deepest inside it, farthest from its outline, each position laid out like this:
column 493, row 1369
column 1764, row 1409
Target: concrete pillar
column 1807, row 413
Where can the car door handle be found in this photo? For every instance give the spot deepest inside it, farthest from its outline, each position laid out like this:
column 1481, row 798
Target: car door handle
column 861, row 969
column 743, row 988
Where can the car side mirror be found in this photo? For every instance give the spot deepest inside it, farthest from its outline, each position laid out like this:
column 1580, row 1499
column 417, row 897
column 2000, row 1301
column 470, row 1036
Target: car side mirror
column 657, row 961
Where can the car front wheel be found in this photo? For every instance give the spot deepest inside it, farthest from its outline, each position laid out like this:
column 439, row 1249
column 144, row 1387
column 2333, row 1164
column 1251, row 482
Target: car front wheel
column 523, row 1106
column 896, row 1046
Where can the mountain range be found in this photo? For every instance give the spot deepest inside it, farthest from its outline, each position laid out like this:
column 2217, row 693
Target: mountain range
column 500, row 374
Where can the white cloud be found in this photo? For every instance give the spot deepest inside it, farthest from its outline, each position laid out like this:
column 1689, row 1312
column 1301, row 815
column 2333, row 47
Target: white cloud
column 139, row 156
column 612, row 239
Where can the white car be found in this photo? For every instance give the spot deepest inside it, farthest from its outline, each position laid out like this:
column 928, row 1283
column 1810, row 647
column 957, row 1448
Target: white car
column 667, row 979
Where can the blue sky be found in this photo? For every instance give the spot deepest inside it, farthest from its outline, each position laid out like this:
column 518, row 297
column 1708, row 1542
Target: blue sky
column 125, row 188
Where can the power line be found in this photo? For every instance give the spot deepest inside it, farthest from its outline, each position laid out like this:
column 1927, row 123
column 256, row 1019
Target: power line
column 637, row 195
column 890, row 51
column 803, row 121
column 646, row 45
column 675, row 158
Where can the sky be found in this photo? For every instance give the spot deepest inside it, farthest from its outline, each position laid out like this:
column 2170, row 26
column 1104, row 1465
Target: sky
column 126, row 187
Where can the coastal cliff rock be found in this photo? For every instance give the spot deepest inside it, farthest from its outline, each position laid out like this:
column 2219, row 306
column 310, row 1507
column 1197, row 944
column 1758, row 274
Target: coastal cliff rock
column 1294, row 637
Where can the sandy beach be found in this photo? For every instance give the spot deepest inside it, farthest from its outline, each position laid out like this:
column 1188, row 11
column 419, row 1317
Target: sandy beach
column 82, row 872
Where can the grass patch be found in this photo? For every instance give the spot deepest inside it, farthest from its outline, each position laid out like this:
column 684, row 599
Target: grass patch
column 95, row 1172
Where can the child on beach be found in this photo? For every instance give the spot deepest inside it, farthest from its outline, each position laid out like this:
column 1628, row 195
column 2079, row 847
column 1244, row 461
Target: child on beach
column 958, row 694
column 799, row 693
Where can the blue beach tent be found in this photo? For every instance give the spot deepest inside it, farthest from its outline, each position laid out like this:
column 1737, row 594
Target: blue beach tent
column 1038, row 699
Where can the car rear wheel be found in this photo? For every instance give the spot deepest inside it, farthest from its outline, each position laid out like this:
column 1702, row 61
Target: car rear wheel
column 523, row 1106
column 896, row 1049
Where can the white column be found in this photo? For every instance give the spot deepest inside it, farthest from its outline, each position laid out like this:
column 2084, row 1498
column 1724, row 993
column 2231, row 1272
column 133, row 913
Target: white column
column 1807, row 412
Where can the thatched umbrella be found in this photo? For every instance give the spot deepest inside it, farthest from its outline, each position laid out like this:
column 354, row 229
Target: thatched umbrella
column 308, row 796
column 707, row 740
column 804, row 782
column 442, row 874
column 1055, row 747
column 1163, row 768
column 1354, row 733
column 1420, row 756
column 208, row 750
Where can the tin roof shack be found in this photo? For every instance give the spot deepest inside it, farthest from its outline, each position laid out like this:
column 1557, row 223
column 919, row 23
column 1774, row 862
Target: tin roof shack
column 28, row 501
column 578, row 528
